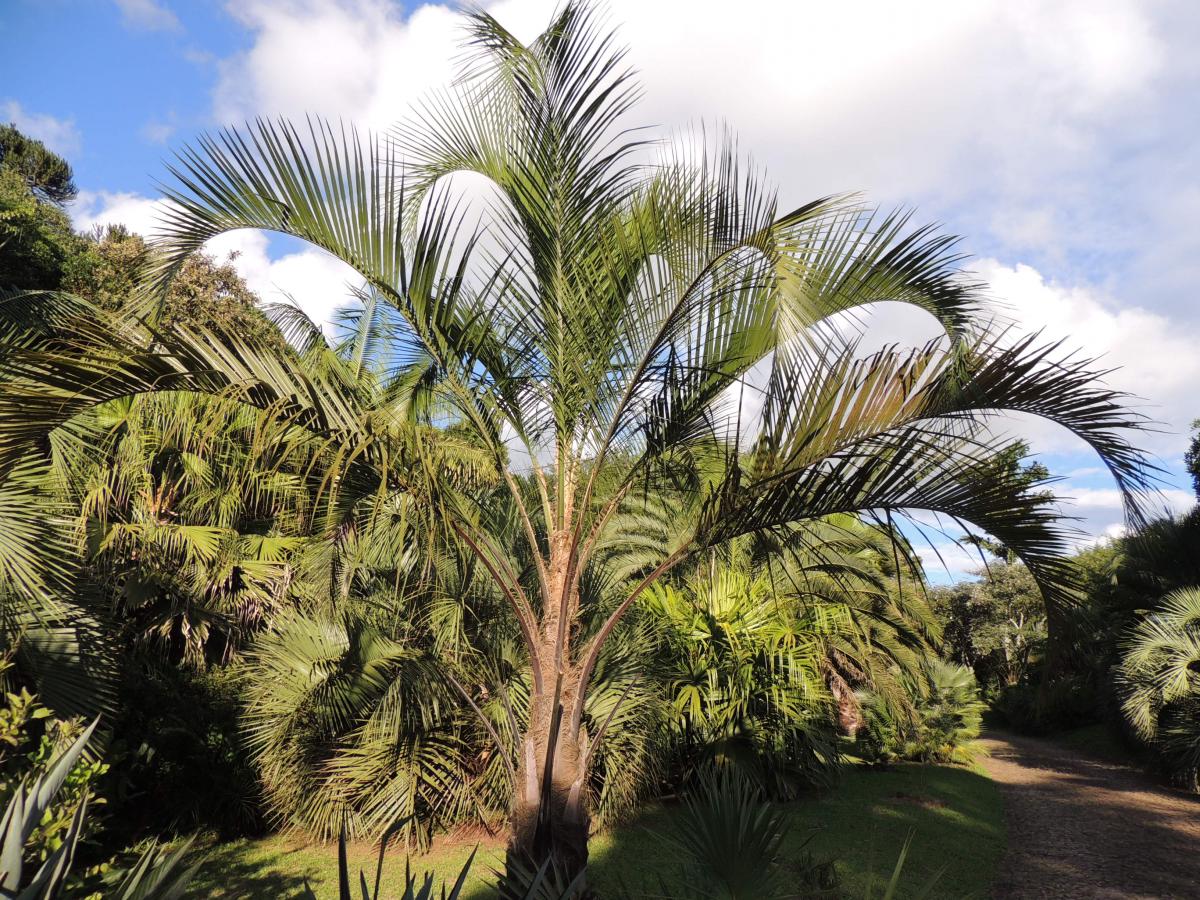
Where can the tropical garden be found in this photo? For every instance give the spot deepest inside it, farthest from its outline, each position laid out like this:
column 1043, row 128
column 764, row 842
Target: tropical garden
column 589, row 530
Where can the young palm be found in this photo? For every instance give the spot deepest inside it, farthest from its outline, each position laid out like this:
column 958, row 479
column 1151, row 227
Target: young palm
column 620, row 318
column 1159, row 677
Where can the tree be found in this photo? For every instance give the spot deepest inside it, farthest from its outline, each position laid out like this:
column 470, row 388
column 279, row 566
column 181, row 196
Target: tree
column 995, row 625
column 617, row 324
column 1191, row 459
column 1159, row 677
column 36, row 240
column 206, row 293
column 47, row 174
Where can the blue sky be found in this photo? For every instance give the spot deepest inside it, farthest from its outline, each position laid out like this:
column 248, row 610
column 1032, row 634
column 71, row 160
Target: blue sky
column 1057, row 137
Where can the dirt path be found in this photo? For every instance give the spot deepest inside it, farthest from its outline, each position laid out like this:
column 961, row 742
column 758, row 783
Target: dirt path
column 1081, row 827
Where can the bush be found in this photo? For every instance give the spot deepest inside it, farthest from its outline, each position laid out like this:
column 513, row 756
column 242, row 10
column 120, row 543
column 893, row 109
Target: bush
column 1069, row 701
column 32, row 874
column 1159, row 678
column 176, row 758
column 945, row 718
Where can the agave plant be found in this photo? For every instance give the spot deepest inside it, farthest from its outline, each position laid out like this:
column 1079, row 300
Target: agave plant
column 1159, row 677
column 156, row 875
column 594, row 339
column 730, row 841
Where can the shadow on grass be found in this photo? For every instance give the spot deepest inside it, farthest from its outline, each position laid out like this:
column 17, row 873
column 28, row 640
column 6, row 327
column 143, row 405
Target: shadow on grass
column 955, row 815
column 230, row 871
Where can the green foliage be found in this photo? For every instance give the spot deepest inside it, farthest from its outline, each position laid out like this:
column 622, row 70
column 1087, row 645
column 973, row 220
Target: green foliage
column 1159, row 679
column 766, row 643
column 945, row 720
column 744, row 683
column 414, row 888
column 349, row 728
column 37, row 244
column 109, row 268
column 47, row 174
column 36, row 240
column 176, row 758
column 1123, row 582
column 1191, row 457
column 950, row 714
column 30, row 809
column 996, row 625
column 354, row 511
column 729, row 842
column 31, row 741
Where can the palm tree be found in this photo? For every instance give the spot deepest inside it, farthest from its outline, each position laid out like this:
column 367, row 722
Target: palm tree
column 1159, row 678
column 622, row 317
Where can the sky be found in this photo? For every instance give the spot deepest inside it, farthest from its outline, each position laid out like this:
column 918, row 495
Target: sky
column 1057, row 137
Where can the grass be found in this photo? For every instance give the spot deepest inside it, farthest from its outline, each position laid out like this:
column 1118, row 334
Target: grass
column 954, row 813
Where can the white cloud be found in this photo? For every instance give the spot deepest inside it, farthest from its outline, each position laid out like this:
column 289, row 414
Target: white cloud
column 895, row 99
column 1109, row 499
column 317, row 281
column 360, row 61
column 946, row 561
column 98, row 209
column 158, row 132
column 147, row 15
column 1154, row 356
column 1041, row 130
column 60, row 135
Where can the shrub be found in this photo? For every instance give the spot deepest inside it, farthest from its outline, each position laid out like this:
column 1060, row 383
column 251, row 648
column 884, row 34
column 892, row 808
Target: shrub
column 177, row 759
column 1159, row 678
column 31, row 739
column 945, row 720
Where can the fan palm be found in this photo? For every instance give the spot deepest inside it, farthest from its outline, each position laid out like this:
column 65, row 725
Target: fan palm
column 616, row 320
column 744, row 680
column 1159, row 676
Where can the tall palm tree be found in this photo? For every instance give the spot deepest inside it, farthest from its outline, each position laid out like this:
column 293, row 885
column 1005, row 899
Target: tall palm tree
column 621, row 316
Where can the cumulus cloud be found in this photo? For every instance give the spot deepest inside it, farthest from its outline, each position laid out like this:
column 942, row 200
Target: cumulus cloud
column 1153, row 356
column 362, row 61
column 158, row 132
column 60, row 135
column 147, row 15
column 946, row 561
column 317, row 281
column 1041, row 130
column 943, row 99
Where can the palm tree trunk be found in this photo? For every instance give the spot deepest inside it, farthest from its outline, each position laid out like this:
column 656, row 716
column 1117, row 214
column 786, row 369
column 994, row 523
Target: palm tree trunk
column 549, row 815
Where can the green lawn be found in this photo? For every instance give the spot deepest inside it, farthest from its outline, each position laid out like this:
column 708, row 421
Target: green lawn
column 956, row 815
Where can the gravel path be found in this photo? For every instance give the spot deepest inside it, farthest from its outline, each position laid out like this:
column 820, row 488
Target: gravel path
column 1081, row 827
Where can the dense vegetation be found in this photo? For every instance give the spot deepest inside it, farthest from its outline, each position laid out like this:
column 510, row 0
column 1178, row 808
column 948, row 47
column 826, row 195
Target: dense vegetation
column 513, row 549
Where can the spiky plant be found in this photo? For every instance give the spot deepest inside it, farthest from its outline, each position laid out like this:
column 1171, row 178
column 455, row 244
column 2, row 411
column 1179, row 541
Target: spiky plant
column 598, row 335
column 1159, row 678
column 744, row 677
